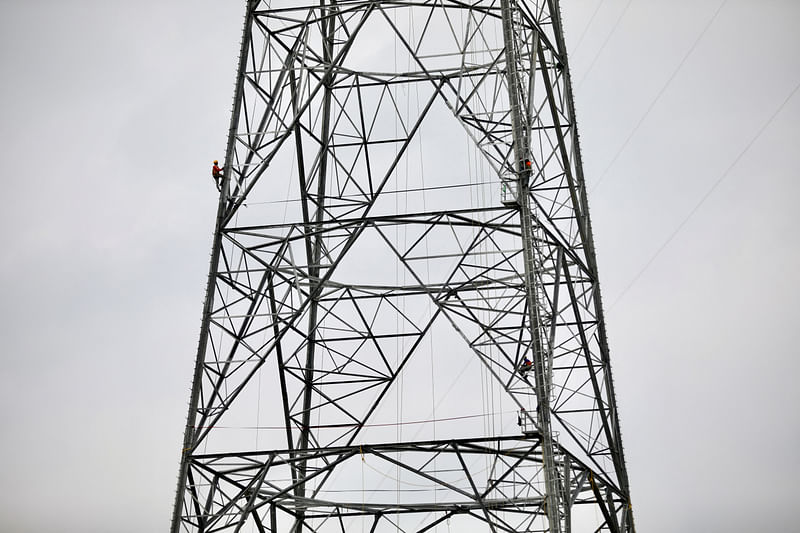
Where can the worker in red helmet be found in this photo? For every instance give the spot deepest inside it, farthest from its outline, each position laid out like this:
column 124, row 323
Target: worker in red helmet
column 216, row 173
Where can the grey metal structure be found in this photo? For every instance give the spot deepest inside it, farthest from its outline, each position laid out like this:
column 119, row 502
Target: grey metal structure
column 402, row 224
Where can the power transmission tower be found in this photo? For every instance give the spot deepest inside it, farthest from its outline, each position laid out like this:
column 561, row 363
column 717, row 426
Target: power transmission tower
column 403, row 328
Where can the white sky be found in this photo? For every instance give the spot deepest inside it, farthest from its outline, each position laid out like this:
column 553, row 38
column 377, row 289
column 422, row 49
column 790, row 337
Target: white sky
column 112, row 112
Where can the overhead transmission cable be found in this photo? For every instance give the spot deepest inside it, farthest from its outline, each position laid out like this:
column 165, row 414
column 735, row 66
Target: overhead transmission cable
column 659, row 95
column 705, row 197
column 588, row 25
column 603, row 46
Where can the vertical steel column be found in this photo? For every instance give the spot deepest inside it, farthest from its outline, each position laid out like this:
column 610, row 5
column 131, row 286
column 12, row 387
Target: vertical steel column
column 617, row 452
column 328, row 25
column 541, row 378
column 208, row 305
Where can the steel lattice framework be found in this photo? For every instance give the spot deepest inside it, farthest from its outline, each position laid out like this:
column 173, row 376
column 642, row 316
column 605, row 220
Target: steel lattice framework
column 403, row 188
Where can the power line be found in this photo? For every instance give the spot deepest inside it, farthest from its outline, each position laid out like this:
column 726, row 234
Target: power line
column 603, row 46
column 586, row 28
column 658, row 96
column 705, row 197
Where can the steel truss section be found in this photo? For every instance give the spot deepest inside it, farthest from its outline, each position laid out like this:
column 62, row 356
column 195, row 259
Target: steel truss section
column 256, row 490
column 403, row 184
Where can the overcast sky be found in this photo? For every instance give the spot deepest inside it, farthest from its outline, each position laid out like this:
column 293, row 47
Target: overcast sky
column 113, row 111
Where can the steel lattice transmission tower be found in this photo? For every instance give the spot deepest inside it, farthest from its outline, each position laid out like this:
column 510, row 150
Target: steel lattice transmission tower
column 403, row 328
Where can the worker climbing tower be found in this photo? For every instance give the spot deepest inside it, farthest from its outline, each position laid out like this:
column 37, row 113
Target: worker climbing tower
column 403, row 328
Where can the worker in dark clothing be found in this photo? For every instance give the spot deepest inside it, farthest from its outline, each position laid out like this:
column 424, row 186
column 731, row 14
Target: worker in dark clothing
column 216, row 173
column 526, row 366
